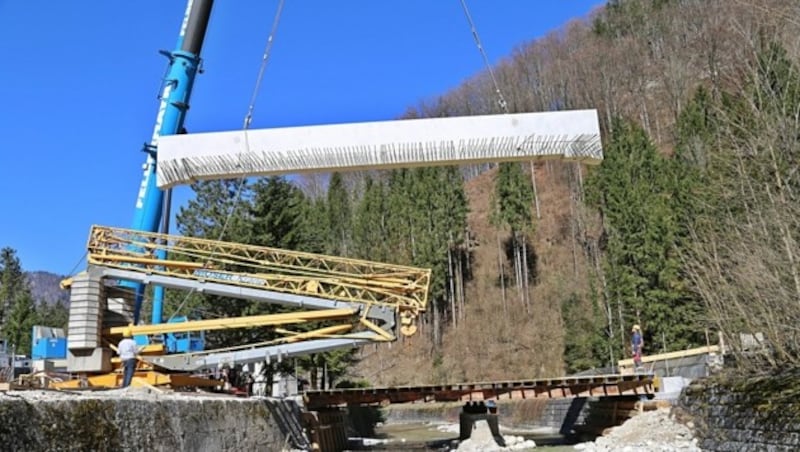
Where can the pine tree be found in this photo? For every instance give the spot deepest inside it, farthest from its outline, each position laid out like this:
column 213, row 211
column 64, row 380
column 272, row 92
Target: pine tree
column 340, row 217
column 369, row 223
column 280, row 216
column 12, row 281
column 511, row 208
column 53, row 315
column 401, row 223
column 21, row 319
column 19, row 310
column 633, row 189
column 218, row 211
column 435, row 214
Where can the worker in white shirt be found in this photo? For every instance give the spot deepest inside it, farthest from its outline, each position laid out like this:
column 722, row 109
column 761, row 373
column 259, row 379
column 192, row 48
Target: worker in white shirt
column 127, row 354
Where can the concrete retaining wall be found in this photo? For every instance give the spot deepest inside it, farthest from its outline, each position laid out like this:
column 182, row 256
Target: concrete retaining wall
column 128, row 424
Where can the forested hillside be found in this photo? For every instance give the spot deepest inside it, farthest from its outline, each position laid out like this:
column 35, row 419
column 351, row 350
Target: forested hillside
column 27, row 299
column 687, row 228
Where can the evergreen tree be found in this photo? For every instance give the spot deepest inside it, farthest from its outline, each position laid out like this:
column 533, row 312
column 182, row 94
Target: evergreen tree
column 511, row 208
column 280, row 214
column 12, row 282
column 513, row 197
column 21, row 319
column 53, row 315
column 436, row 214
column 283, row 217
column 585, row 346
column 319, row 227
column 402, row 222
column 19, row 310
column 369, row 224
column 633, row 189
column 218, row 211
column 340, row 217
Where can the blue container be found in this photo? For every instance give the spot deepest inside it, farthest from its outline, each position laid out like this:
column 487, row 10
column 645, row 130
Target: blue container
column 50, row 348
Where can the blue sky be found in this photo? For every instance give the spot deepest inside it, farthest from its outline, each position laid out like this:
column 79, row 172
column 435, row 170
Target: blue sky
column 79, row 83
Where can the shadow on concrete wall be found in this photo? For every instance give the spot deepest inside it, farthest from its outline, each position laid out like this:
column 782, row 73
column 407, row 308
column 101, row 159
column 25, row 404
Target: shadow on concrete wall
column 573, row 415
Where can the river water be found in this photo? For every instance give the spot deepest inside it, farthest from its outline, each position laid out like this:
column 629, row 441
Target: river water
column 441, row 437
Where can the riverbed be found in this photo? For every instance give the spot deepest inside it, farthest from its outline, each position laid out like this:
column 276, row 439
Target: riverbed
column 423, row 436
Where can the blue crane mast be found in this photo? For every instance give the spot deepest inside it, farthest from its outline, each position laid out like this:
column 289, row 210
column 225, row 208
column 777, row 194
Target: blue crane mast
column 153, row 204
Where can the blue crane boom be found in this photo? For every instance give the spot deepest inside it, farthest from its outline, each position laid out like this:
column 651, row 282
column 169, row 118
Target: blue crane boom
column 151, row 202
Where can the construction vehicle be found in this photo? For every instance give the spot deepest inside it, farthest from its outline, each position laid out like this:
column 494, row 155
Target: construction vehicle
column 360, row 301
column 335, row 302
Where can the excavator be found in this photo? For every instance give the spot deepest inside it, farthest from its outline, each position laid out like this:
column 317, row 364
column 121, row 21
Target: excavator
column 331, row 302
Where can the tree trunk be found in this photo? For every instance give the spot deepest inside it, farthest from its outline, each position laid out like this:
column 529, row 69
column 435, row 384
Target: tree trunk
column 622, row 335
column 500, row 270
column 436, row 331
column 535, row 191
column 525, row 273
column 314, row 374
column 451, row 283
column 518, row 268
column 574, row 224
column 461, row 295
column 325, row 383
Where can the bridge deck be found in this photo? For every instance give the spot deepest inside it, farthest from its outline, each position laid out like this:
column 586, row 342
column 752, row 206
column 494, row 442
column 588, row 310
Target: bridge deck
column 562, row 387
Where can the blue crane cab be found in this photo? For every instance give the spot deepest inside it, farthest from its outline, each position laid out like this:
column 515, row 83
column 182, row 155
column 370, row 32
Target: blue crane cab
column 184, row 342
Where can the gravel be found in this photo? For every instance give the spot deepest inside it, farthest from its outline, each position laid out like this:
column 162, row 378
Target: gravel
column 654, row 431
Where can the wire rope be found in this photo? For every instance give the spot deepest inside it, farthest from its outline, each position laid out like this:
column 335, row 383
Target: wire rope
column 248, row 119
column 501, row 100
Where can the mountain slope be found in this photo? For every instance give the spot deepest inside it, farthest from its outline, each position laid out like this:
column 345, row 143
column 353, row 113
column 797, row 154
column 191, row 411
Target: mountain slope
column 45, row 287
column 635, row 59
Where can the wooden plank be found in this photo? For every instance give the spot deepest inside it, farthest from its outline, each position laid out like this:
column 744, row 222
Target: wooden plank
column 671, row 355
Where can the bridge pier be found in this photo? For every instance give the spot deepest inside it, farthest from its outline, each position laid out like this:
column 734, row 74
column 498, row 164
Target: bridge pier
column 470, row 421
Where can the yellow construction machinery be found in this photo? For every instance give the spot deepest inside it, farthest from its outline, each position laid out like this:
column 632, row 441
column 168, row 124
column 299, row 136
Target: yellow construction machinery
column 359, row 301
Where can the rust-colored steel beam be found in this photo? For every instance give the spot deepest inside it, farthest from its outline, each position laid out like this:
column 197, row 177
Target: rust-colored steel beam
column 563, row 387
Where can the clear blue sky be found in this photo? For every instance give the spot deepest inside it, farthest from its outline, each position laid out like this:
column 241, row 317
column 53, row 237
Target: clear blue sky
column 79, row 81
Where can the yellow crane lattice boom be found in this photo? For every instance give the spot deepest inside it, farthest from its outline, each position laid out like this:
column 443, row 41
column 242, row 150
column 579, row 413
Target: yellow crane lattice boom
column 402, row 288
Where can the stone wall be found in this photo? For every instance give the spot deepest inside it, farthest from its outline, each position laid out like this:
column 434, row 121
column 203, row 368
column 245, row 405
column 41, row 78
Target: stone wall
column 744, row 413
column 75, row 422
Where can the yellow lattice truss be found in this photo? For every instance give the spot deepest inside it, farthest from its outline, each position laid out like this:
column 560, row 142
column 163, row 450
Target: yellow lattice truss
column 402, row 288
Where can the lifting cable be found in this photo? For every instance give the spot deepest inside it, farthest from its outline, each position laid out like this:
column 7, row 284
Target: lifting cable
column 500, row 99
column 248, row 119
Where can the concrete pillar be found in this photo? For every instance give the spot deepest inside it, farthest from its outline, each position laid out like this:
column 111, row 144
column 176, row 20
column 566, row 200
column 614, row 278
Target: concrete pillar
column 469, row 421
column 85, row 351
